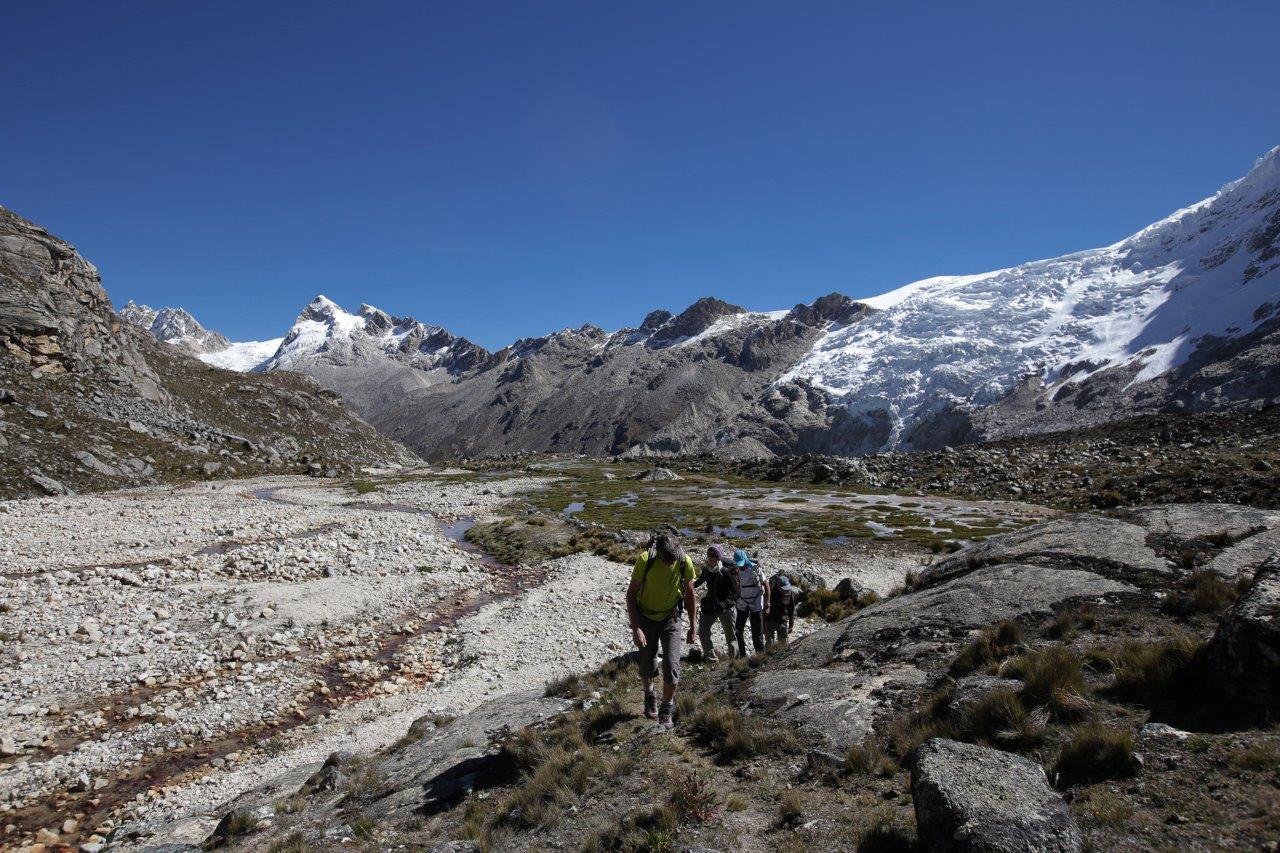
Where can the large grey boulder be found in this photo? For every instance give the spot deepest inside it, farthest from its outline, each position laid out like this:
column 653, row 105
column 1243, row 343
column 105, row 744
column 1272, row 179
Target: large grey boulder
column 1244, row 653
column 973, row 798
column 1096, row 542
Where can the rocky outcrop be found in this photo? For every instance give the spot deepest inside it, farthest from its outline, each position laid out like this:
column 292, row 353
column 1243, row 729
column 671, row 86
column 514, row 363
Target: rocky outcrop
column 1244, row 653
column 89, row 401
column 981, row 800
column 1105, row 544
column 843, row 679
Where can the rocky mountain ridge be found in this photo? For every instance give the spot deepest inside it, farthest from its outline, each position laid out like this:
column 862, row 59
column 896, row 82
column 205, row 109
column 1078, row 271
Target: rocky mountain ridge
column 90, row 401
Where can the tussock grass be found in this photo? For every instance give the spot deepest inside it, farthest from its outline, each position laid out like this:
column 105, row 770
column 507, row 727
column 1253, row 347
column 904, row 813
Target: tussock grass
column 992, row 646
column 792, row 808
column 734, row 736
column 1149, row 673
column 1052, row 678
column 868, row 759
column 1094, row 754
column 1206, row 593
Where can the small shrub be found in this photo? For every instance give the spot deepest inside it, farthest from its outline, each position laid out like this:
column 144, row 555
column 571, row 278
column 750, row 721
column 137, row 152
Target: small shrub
column 791, row 809
column 696, row 798
column 1197, row 744
column 735, row 804
column 364, row 487
column 1095, row 754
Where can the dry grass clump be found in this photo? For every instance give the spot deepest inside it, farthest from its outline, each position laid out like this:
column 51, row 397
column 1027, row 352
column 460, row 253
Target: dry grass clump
column 792, row 808
column 868, row 759
column 647, row 830
column 885, row 836
column 1206, row 593
column 1106, row 807
column 734, row 736
column 931, row 719
column 293, row 843
column 1051, row 678
column 364, row 487
column 1094, row 754
column 1148, row 673
column 992, row 646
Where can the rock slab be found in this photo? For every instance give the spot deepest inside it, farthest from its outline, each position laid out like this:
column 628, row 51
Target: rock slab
column 972, row 798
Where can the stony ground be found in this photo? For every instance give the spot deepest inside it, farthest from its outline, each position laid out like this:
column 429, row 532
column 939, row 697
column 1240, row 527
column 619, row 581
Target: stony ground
column 167, row 648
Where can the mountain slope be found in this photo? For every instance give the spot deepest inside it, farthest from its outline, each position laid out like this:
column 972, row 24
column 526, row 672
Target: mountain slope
column 1133, row 311
column 90, row 401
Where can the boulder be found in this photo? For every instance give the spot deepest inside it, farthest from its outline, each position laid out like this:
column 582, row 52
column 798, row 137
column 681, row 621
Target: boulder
column 1244, row 653
column 848, row 589
column 656, row 475
column 918, row 622
column 973, row 798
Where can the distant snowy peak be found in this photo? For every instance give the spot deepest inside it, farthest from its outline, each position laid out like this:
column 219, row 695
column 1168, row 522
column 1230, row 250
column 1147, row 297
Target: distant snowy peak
column 326, row 332
column 175, row 326
column 1148, row 301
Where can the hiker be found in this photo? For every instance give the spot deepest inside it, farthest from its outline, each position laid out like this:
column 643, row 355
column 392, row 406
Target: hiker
column 661, row 582
column 720, row 577
column 753, row 597
column 780, row 612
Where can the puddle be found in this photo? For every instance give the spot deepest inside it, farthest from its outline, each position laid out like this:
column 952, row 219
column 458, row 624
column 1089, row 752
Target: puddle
column 573, row 508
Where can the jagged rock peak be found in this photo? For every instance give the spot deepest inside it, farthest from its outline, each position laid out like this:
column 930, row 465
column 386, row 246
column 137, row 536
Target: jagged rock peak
column 833, row 308
column 695, row 319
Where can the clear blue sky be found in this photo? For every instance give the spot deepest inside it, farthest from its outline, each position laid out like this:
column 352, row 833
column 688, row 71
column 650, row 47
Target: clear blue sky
column 506, row 169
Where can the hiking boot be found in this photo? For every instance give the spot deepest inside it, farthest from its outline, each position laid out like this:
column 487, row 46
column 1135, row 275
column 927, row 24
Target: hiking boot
column 664, row 716
column 710, row 657
column 651, row 704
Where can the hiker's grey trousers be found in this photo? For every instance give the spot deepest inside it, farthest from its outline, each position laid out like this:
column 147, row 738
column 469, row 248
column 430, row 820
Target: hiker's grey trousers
column 665, row 635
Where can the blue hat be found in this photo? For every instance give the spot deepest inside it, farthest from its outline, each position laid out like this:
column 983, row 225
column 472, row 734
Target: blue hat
column 741, row 560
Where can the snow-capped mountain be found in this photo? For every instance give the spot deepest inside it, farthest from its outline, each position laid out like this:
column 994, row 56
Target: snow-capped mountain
column 176, row 326
column 1140, row 307
column 325, row 332
column 1183, row 315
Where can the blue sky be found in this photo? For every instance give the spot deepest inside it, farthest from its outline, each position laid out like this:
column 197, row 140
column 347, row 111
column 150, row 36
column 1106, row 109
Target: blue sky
column 506, row 169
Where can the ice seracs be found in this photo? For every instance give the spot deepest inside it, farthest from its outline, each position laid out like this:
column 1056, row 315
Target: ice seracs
column 1147, row 301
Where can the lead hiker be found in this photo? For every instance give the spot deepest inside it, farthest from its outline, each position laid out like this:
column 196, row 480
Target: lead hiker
column 753, row 596
column 661, row 582
column 720, row 577
column 780, row 613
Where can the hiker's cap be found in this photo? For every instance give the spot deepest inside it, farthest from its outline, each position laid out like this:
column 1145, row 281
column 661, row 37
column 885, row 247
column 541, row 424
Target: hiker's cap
column 740, row 559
